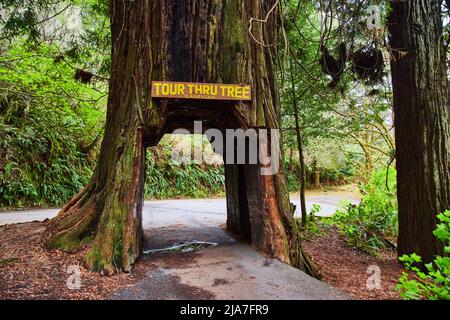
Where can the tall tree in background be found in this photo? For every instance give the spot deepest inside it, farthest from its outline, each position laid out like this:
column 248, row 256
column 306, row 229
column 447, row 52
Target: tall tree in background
column 302, row 171
column 421, row 107
column 198, row 41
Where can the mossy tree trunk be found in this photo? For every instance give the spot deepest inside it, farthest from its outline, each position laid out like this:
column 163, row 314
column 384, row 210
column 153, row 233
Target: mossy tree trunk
column 106, row 215
column 198, row 41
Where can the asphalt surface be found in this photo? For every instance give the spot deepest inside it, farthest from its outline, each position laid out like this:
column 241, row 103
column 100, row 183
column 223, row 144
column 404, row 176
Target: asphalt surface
column 229, row 271
column 329, row 203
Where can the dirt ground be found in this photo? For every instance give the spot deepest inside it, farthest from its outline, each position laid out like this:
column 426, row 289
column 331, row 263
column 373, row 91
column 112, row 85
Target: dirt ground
column 346, row 268
column 27, row 271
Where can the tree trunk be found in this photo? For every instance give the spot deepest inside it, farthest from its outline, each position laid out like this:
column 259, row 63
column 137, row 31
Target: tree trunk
column 195, row 41
column 291, row 161
column 106, row 215
column 421, row 108
column 317, row 179
column 300, row 152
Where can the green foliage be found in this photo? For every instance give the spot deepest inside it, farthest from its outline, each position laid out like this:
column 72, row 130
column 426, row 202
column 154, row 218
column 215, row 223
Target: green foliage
column 313, row 228
column 192, row 181
column 93, row 47
column 317, row 226
column 8, row 261
column 434, row 283
column 314, row 210
column 23, row 18
column 166, row 179
column 345, row 126
column 46, row 117
column 293, row 178
column 329, row 176
column 374, row 222
column 332, row 172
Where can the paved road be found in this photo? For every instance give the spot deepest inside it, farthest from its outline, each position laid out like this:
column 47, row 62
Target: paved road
column 329, row 203
column 230, row 270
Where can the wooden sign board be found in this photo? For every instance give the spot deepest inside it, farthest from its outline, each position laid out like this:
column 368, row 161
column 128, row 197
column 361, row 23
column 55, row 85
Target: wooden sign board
column 208, row 91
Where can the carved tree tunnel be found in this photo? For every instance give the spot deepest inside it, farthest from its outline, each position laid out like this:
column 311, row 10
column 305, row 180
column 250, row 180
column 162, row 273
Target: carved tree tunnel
column 203, row 41
column 246, row 201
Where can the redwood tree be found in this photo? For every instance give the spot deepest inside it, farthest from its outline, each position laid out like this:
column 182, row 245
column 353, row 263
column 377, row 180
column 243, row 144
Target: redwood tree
column 198, row 41
column 421, row 107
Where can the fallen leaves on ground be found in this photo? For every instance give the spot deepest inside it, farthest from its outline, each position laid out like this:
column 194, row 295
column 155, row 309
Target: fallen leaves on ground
column 28, row 271
column 349, row 269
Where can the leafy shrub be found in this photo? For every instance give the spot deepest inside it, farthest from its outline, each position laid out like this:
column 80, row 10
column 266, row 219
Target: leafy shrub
column 314, row 226
column 434, row 284
column 293, row 181
column 373, row 224
column 328, row 177
column 166, row 179
column 46, row 117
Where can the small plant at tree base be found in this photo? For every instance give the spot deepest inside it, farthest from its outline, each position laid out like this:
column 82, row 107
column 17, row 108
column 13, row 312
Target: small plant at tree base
column 314, row 211
column 317, row 226
column 434, row 283
column 313, row 227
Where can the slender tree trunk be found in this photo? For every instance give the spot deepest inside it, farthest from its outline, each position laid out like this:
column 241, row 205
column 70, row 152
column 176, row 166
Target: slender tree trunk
column 364, row 143
column 291, row 160
column 300, row 152
column 195, row 41
column 421, row 106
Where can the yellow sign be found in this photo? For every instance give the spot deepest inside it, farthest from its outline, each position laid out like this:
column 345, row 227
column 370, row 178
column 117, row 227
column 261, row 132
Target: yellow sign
column 209, row 91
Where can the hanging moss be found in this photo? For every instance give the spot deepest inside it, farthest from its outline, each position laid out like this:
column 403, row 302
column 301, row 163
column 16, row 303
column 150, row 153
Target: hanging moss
column 368, row 64
column 332, row 66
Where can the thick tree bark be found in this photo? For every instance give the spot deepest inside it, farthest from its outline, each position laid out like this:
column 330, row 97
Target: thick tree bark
column 106, row 215
column 197, row 41
column 421, row 107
